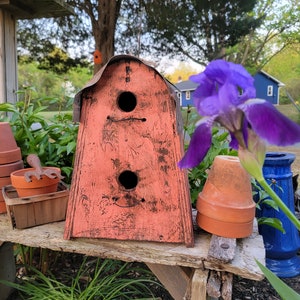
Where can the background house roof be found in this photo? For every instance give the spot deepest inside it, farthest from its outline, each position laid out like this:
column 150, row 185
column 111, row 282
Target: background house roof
column 186, row 85
column 272, row 78
column 30, row 9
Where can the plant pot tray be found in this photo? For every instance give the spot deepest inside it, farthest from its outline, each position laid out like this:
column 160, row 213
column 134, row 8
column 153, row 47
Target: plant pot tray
column 36, row 210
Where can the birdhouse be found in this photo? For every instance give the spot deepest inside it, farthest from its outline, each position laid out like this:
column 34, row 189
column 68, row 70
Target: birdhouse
column 126, row 183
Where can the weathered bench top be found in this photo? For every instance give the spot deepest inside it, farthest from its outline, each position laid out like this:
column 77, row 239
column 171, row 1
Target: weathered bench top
column 51, row 236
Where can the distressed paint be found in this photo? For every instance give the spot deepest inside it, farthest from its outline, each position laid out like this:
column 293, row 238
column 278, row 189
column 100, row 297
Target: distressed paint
column 126, row 183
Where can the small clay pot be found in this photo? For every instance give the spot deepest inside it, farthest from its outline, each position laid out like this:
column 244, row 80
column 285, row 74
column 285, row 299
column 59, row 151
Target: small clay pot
column 225, row 206
column 9, row 151
column 44, row 185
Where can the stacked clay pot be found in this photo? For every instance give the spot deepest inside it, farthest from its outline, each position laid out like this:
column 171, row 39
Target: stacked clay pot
column 225, row 206
column 10, row 159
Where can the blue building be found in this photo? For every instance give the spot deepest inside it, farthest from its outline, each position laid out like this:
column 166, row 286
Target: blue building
column 267, row 87
column 185, row 92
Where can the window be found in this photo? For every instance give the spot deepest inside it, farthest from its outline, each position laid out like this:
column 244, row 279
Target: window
column 270, row 90
column 188, row 95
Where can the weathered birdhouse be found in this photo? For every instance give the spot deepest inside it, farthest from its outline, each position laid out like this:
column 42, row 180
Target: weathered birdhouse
column 126, row 184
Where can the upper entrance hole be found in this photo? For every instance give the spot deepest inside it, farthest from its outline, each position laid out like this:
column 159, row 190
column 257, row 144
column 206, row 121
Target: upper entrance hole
column 127, row 101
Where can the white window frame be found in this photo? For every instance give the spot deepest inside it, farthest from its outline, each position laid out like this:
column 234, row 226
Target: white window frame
column 270, row 90
column 188, row 95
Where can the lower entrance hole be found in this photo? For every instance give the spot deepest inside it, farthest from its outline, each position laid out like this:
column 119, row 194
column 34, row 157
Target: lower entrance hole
column 128, row 179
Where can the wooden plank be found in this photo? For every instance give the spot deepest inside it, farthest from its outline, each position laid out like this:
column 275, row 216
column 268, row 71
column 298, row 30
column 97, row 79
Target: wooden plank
column 24, row 9
column 247, row 250
column 221, row 248
column 214, row 285
column 198, row 285
column 174, row 278
column 226, row 292
column 8, row 58
column 51, row 236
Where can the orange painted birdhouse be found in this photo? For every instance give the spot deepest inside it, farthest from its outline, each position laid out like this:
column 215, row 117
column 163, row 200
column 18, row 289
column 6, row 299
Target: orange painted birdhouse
column 126, row 183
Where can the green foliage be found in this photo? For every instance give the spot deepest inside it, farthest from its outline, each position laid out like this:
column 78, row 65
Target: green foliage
column 205, row 28
column 220, row 146
column 278, row 31
column 54, row 141
column 96, row 279
column 284, row 291
column 262, row 198
column 50, row 86
column 286, row 67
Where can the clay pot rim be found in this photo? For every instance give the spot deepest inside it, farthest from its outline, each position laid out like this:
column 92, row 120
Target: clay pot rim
column 225, row 228
column 228, row 157
column 4, row 181
column 18, row 179
column 10, row 156
column 7, row 169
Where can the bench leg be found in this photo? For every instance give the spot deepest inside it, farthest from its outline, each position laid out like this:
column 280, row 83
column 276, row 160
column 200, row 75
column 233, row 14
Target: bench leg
column 7, row 268
column 182, row 283
column 174, row 278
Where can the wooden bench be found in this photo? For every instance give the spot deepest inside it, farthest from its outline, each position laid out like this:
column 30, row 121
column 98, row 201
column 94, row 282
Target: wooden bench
column 187, row 273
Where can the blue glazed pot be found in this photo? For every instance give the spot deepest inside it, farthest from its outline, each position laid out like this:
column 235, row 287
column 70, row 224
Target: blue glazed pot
column 281, row 248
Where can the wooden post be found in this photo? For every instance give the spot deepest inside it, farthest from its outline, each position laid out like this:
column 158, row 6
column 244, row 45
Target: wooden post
column 8, row 58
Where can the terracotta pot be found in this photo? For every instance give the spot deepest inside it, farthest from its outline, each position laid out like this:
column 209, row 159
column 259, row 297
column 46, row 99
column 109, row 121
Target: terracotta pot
column 225, row 206
column 44, row 185
column 3, row 182
column 7, row 169
column 9, row 151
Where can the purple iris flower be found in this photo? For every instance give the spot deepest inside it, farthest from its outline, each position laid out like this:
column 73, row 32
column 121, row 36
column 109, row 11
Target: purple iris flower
column 226, row 95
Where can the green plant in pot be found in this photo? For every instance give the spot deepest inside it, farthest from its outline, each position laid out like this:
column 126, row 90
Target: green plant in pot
column 53, row 140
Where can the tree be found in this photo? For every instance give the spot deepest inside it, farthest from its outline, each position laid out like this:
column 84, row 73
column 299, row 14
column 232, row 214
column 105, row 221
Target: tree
column 93, row 18
column 247, row 32
column 286, row 67
column 201, row 30
column 103, row 16
column 279, row 30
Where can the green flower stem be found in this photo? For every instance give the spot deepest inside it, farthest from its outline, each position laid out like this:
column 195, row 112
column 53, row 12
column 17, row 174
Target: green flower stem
column 279, row 202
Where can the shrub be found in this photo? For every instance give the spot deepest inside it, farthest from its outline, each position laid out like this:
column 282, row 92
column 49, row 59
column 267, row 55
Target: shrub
column 54, row 140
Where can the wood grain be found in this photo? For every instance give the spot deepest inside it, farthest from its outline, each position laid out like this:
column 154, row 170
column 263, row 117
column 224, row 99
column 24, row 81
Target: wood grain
column 51, row 236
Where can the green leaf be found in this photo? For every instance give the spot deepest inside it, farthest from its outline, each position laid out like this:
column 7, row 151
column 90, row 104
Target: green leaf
column 271, row 203
column 71, row 147
column 285, row 292
column 8, row 107
column 274, row 222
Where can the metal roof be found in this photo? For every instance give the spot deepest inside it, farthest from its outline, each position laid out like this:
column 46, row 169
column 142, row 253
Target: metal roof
column 186, row 85
column 31, row 9
column 272, row 78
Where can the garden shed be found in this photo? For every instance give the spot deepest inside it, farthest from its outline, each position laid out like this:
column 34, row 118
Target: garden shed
column 185, row 92
column 267, row 87
column 10, row 11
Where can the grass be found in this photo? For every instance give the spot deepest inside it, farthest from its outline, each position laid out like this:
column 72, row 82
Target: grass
column 48, row 115
column 95, row 279
column 290, row 111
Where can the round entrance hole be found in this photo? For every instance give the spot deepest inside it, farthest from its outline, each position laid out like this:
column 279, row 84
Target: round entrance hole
column 128, row 179
column 127, row 101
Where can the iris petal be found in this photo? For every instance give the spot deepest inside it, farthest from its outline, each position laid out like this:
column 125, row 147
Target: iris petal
column 199, row 144
column 234, row 142
column 270, row 124
column 228, row 96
